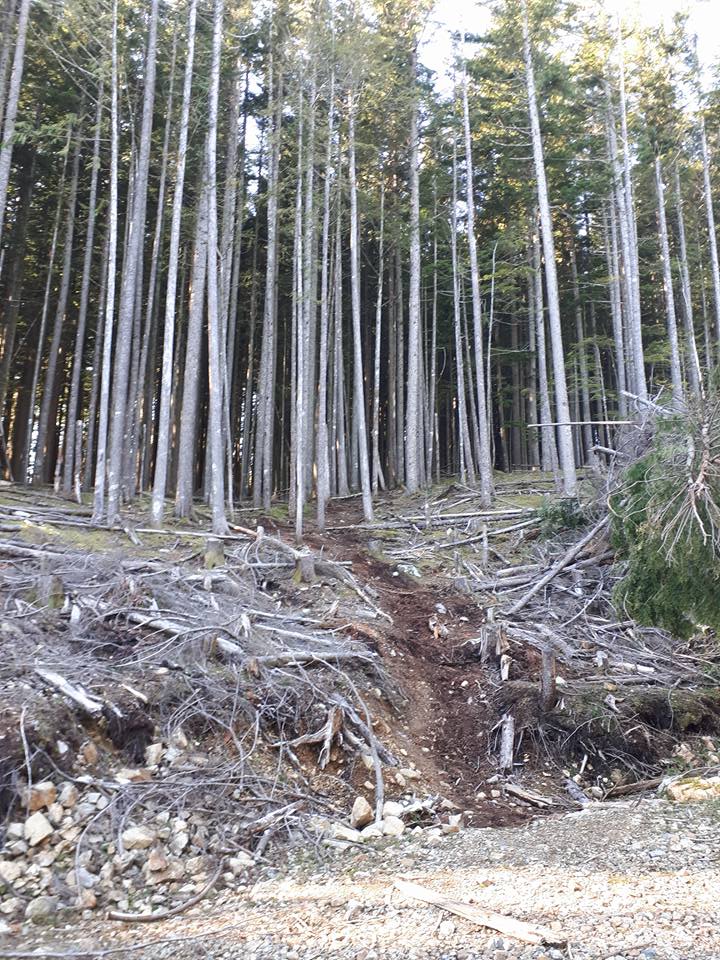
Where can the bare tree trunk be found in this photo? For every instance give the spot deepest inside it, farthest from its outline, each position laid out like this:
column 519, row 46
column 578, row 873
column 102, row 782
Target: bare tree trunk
column 413, row 466
column 695, row 372
column 163, row 427
column 41, row 466
column 485, row 457
column 263, row 467
column 467, row 467
column 675, row 367
column 131, row 279
column 611, row 256
column 104, row 414
column 587, row 433
column 564, row 433
column 8, row 33
column 92, row 416
column 11, row 107
column 712, row 235
column 378, row 480
column 69, row 470
column 547, row 432
column 359, row 383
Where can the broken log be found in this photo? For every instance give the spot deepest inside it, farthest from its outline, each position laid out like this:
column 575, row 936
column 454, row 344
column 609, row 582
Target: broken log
column 507, row 743
column 508, row 926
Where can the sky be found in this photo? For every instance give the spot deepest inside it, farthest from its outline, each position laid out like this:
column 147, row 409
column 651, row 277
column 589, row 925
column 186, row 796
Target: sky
column 471, row 16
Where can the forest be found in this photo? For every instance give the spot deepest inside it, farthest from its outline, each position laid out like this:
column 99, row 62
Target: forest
column 250, row 252
column 359, row 480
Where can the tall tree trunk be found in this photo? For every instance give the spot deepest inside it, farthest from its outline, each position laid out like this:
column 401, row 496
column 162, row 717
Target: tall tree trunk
column 564, row 432
column 413, row 466
column 130, row 282
column 104, row 413
column 485, row 457
column 215, row 442
column 359, row 380
column 587, row 427
column 675, row 367
column 613, row 266
column 11, row 107
column 547, row 431
column 378, row 480
column 42, row 465
column 74, row 399
column 466, row 465
column 163, row 427
column 187, row 457
column 693, row 362
column 712, row 235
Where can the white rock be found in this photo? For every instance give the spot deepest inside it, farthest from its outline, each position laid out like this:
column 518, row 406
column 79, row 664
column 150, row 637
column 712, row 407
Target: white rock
column 10, row 870
column 391, row 808
column 137, row 838
column 56, row 813
column 37, row 828
column 373, row 831
column 153, row 754
column 454, row 823
column 393, row 826
column 15, row 831
column 10, row 905
column 41, row 909
column 367, row 761
column 341, row 832
column 446, row 929
column 179, row 842
column 362, row 813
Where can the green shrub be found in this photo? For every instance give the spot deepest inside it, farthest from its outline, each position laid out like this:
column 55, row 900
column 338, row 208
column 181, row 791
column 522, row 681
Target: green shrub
column 559, row 515
column 664, row 527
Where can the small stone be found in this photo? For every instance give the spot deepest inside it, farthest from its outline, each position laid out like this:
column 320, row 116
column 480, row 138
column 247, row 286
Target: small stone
column 373, row 831
column 240, row 863
column 446, row 929
column 137, row 838
column 400, row 780
column 179, row 842
column 362, row 813
column 391, row 808
column 393, row 826
column 409, row 774
column 341, row 832
column 367, row 761
column 153, row 754
column 56, row 813
column 10, row 905
column 11, row 870
column 5, row 928
column 15, row 831
column 41, row 795
column 178, row 739
column 41, row 909
column 86, row 899
column 157, row 859
column 37, row 828
column 454, row 823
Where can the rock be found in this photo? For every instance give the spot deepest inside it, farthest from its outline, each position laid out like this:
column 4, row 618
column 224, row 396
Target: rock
column 179, row 842
column 391, row 808
column 5, row 928
column 37, row 828
column 694, row 788
column 41, row 909
column 373, row 831
column 10, row 905
column 393, row 826
column 86, row 899
column 157, row 859
column 15, row 831
column 400, row 780
column 41, row 795
column 446, row 929
column 367, row 761
column 340, row 832
column 178, row 739
column 362, row 813
column 240, row 862
column 409, row 773
column 454, row 823
column 137, row 838
column 153, row 754
column 56, row 813
column 10, row 870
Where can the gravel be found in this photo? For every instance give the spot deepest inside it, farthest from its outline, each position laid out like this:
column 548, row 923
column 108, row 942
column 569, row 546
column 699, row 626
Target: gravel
column 631, row 881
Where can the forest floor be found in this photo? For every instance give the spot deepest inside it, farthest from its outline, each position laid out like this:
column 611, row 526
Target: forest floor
column 230, row 709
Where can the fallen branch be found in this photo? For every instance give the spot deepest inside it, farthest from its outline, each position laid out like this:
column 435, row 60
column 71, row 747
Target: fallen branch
column 493, row 921
column 76, row 694
column 563, row 562
column 174, row 911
